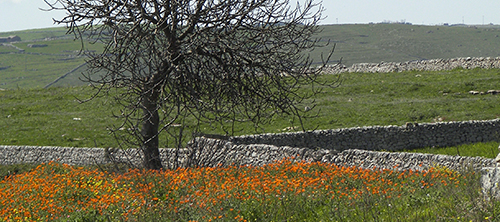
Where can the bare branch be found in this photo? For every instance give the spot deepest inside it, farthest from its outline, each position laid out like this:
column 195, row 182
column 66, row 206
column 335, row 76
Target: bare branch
column 209, row 60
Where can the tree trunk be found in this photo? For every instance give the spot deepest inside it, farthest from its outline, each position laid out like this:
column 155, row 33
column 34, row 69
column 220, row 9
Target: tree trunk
column 149, row 132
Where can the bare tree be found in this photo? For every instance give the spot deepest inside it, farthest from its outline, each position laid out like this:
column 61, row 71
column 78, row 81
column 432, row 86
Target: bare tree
column 215, row 60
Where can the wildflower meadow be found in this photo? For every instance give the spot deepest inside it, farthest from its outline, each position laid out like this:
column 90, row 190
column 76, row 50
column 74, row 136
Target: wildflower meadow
column 287, row 190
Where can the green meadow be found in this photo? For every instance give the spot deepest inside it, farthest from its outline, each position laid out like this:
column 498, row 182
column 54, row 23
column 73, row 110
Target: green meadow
column 54, row 116
column 374, row 43
column 355, row 43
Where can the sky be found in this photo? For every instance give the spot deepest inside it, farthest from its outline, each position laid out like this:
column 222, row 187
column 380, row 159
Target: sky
column 26, row 14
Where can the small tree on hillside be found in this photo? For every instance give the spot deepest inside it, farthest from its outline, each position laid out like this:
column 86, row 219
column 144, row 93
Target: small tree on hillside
column 209, row 60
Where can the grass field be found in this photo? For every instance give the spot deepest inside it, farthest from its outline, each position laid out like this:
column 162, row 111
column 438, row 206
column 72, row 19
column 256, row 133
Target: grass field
column 54, row 117
column 38, row 66
column 46, row 117
column 357, row 43
column 400, row 43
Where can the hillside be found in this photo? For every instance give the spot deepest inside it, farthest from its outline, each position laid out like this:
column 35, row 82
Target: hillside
column 25, row 67
column 373, row 43
column 53, row 117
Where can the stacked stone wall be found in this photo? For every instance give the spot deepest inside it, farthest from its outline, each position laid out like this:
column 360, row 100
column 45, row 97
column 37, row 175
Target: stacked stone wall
column 380, row 138
column 208, row 152
column 359, row 146
column 418, row 65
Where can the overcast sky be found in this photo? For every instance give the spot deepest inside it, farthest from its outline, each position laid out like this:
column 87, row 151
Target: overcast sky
column 25, row 14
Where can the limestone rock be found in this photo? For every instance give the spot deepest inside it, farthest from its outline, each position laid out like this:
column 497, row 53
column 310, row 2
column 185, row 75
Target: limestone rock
column 497, row 159
column 490, row 178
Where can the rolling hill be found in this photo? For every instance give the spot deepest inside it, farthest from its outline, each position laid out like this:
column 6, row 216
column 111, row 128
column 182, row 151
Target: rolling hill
column 22, row 66
column 374, row 43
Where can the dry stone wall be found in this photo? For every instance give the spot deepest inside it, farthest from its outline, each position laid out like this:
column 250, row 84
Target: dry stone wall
column 358, row 146
column 214, row 152
column 199, row 152
column 388, row 138
column 419, row 65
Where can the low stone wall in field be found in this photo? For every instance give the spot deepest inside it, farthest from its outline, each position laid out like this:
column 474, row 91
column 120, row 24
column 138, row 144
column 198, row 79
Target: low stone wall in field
column 344, row 147
column 380, row 138
column 213, row 152
column 419, row 65
column 199, row 152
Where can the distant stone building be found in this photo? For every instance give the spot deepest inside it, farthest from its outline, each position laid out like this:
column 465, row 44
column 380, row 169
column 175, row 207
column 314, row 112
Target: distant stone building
column 12, row 38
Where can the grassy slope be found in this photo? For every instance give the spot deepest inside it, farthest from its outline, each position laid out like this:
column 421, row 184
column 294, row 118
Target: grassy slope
column 399, row 43
column 42, row 117
column 45, row 117
column 355, row 44
column 37, row 67
column 365, row 99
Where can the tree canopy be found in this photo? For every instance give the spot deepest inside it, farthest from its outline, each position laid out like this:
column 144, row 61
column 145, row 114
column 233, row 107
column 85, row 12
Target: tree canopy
column 217, row 61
